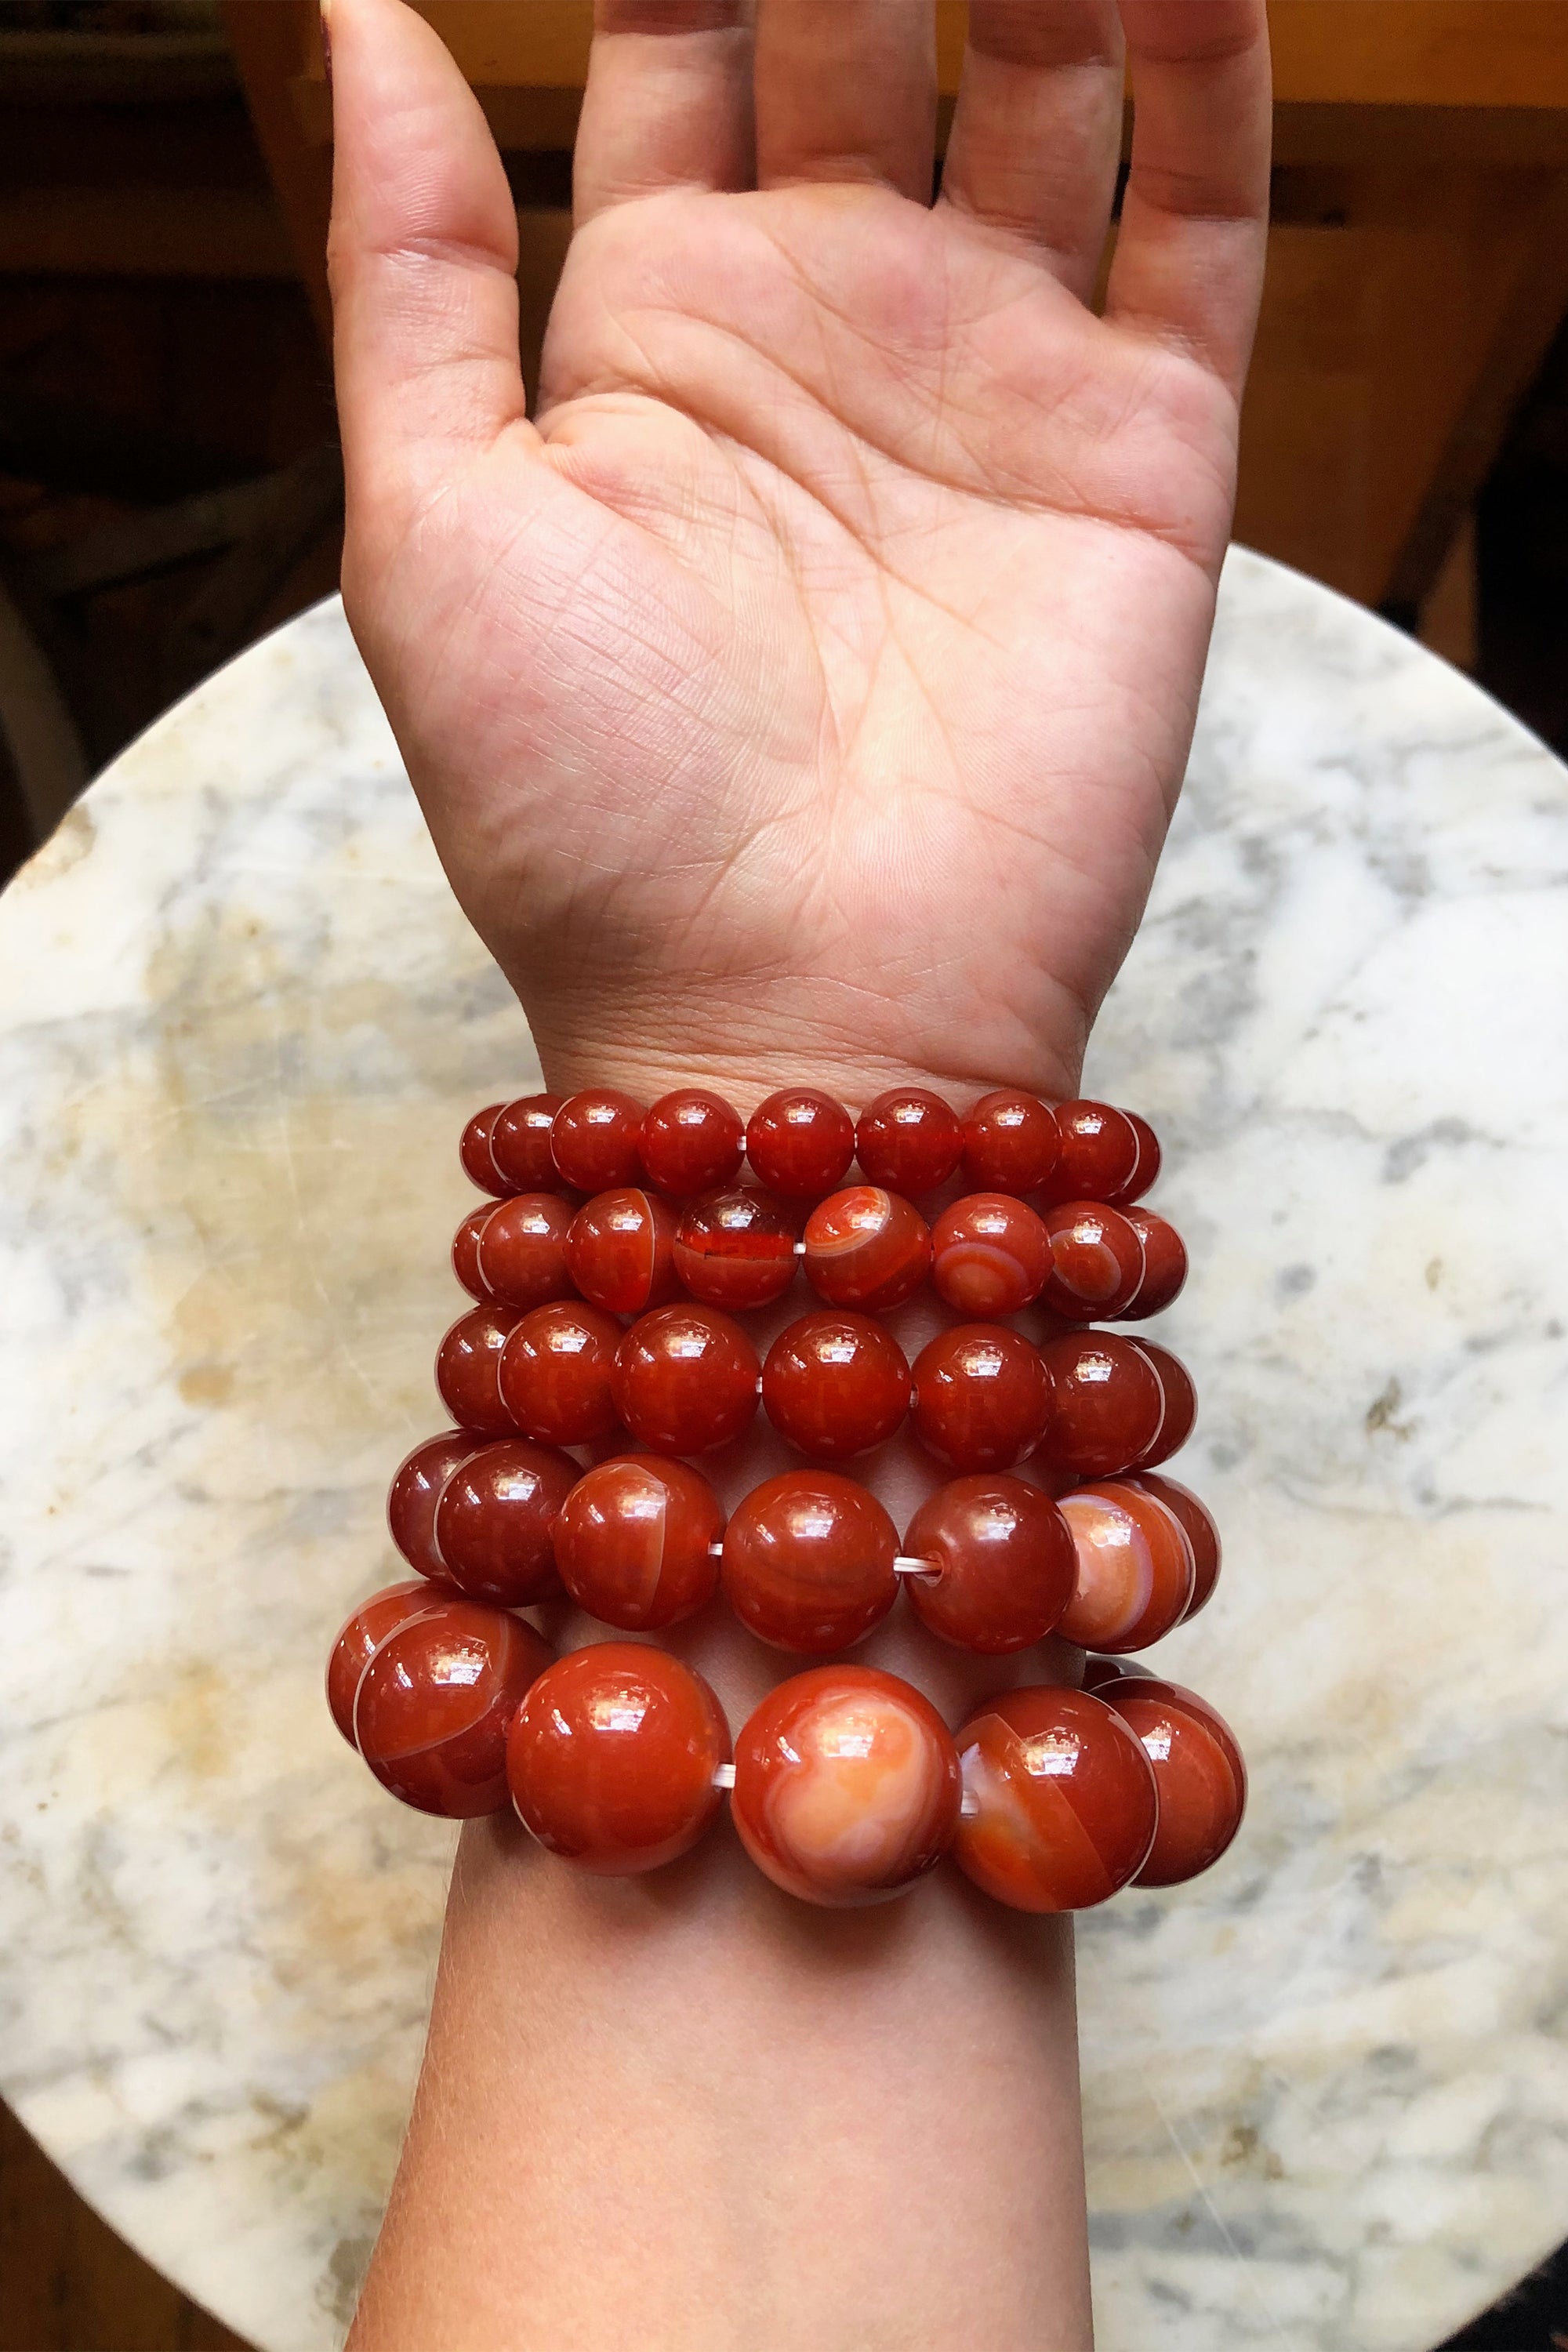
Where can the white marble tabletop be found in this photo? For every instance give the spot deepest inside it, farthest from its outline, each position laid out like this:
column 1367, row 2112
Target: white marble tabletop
column 240, row 1023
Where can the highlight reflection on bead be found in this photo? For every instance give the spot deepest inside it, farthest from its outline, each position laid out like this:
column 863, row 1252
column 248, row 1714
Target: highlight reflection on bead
column 1134, row 1568
column 909, row 1139
column 1059, row 1805
column 685, row 1379
column 799, row 1142
column 1198, row 1772
column 835, row 1384
column 691, row 1141
column 520, row 1253
column 1010, row 1142
column 736, row 1248
column 982, row 1396
column 555, row 1372
column 611, row 1757
column 634, row 1542
column 847, row 1786
column 1097, row 1261
column 808, row 1561
column 593, row 1140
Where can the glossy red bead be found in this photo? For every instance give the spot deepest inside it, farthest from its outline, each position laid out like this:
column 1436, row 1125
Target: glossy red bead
column 1004, row 1560
column 867, row 1248
column 1181, row 1406
column 1010, row 1142
column 613, row 1755
column 465, row 1252
column 1107, row 1404
column 1145, row 1168
column 1164, row 1264
column 495, row 1521
column 1202, row 1532
column 736, row 1248
column 361, row 1635
column 415, row 1490
column 1097, row 1261
column 800, row 1143
column 910, row 1140
column 835, row 1383
column 1198, row 1770
column 1100, row 1671
column 981, row 1397
column 634, row 1542
column 467, row 1364
column 1134, row 1570
column 991, row 1254
column 691, row 1141
column 521, row 1143
column 808, row 1561
column 474, row 1151
column 685, row 1379
column 1059, row 1806
column 522, row 1250
column 1101, row 1154
column 847, row 1786
column 619, row 1252
column 556, row 1372
column 594, row 1141
column 436, row 1703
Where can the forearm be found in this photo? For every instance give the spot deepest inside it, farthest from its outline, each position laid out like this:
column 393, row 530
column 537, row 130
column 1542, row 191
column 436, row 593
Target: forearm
column 687, row 2110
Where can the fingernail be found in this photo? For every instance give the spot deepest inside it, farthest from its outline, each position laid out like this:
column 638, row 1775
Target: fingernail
column 327, row 39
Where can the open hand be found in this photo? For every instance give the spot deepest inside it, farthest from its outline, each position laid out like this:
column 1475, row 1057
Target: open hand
column 805, row 692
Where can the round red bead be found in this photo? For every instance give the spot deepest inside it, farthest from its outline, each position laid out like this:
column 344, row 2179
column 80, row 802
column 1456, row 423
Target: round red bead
column 836, row 1385
column 1097, row 1261
column 594, row 1141
column 1164, row 1264
column 808, row 1561
column 466, row 1366
column 847, row 1786
column 991, row 1254
column 691, row 1141
column 1145, row 1168
column 522, row 1250
column 1101, row 1153
column 685, row 1379
column 474, row 1151
column 618, row 1251
column 437, row 1701
column 981, row 1397
column 1134, row 1572
column 361, row 1635
column 866, row 1247
column 415, row 1490
column 1106, row 1403
column 1059, row 1806
column 1198, row 1772
column 1181, row 1405
column 1202, row 1532
column 736, row 1248
column 909, row 1139
column 465, row 1252
column 634, row 1542
column 1010, row 1142
column 800, row 1142
column 494, row 1521
column 1005, row 1561
column 613, row 1755
column 521, row 1143
column 555, row 1373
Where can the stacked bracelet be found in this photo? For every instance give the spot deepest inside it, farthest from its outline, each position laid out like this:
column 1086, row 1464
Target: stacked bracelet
column 845, row 1786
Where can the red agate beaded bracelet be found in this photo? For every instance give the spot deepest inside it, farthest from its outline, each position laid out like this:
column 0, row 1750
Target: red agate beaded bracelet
column 620, row 1315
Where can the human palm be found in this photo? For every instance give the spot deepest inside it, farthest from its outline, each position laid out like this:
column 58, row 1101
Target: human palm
column 811, row 685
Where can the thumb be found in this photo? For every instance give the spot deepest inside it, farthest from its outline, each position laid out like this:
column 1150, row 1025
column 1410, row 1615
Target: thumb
column 422, row 259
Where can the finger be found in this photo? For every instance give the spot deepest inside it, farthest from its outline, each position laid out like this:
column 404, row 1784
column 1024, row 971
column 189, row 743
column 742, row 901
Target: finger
column 1037, row 136
column 422, row 259
column 845, row 91
column 669, row 102
column 1189, row 258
